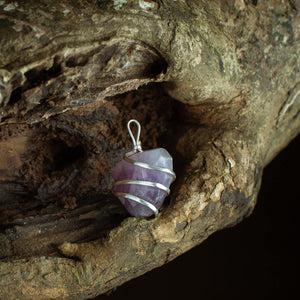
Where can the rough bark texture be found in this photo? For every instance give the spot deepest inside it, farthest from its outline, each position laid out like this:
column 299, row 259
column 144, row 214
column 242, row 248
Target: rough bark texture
column 215, row 82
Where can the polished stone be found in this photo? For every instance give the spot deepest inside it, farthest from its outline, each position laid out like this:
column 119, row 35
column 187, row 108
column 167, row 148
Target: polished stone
column 127, row 171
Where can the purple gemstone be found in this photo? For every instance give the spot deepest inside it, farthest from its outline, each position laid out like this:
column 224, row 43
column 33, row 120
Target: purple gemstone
column 127, row 171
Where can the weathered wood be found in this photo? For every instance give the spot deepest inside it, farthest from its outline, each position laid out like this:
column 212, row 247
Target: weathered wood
column 68, row 75
column 61, row 171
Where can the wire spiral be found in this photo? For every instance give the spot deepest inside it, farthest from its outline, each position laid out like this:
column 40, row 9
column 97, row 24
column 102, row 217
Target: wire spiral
column 137, row 148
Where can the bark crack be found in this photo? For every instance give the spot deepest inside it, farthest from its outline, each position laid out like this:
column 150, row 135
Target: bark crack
column 288, row 103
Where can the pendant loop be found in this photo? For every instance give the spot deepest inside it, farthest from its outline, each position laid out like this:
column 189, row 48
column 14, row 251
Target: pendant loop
column 137, row 147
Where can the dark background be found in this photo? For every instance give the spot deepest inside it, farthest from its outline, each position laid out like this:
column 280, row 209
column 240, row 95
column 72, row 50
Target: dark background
column 257, row 259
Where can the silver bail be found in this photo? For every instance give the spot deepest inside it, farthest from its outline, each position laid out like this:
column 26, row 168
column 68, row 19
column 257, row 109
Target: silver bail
column 137, row 147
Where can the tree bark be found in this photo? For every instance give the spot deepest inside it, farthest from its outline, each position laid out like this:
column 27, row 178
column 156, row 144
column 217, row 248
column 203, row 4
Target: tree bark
column 214, row 82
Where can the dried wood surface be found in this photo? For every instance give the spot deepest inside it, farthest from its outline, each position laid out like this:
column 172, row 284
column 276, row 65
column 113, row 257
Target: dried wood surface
column 214, row 82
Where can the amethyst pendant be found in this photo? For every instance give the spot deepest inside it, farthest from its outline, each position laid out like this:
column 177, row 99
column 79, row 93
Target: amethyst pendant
column 142, row 178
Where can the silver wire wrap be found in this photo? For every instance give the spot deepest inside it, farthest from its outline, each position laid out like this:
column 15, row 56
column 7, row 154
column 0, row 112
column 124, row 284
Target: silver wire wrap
column 150, row 167
column 145, row 183
column 138, row 200
column 138, row 148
